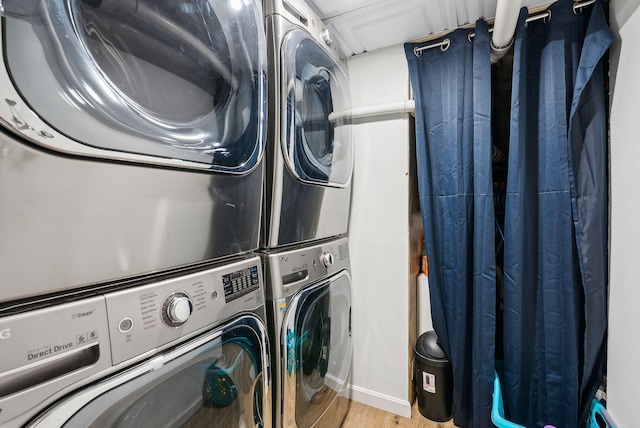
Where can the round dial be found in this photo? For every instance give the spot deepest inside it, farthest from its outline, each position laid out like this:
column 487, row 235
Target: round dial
column 177, row 309
column 326, row 36
column 327, row 259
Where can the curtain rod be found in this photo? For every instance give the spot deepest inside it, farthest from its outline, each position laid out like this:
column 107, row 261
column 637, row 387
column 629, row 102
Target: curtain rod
column 546, row 15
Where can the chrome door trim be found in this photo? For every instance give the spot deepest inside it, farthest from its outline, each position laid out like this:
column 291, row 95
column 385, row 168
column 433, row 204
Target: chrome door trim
column 58, row 414
column 298, row 35
column 289, row 380
column 17, row 116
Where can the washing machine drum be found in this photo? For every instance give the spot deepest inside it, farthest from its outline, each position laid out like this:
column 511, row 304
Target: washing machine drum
column 217, row 384
column 317, row 328
column 181, row 80
column 314, row 349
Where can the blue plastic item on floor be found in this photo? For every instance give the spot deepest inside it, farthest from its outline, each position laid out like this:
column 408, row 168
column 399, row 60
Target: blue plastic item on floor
column 497, row 410
column 598, row 416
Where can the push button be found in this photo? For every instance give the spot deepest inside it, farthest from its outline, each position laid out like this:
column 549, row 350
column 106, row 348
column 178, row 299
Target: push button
column 126, row 324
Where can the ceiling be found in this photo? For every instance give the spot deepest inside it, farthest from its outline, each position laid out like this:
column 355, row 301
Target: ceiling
column 367, row 25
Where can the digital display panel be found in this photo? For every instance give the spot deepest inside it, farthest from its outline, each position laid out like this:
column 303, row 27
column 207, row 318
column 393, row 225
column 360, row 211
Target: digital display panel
column 239, row 283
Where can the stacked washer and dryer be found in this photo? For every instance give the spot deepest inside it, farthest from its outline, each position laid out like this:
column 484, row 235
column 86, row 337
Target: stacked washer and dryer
column 304, row 237
column 132, row 135
column 132, row 187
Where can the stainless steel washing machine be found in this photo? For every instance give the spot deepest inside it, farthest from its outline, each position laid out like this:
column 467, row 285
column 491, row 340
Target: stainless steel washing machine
column 188, row 351
column 131, row 139
column 309, row 316
column 310, row 154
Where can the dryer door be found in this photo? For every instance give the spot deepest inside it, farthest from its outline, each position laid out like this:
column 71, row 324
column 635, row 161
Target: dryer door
column 154, row 81
column 317, row 346
column 318, row 149
column 217, row 380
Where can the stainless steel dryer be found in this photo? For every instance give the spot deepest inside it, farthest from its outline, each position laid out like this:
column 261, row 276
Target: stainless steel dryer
column 189, row 351
column 131, row 138
column 310, row 153
column 309, row 315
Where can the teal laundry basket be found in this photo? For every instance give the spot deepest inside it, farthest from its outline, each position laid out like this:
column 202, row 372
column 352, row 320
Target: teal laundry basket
column 598, row 417
column 497, row 409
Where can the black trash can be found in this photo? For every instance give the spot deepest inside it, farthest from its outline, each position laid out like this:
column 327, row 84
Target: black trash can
column 434, row 379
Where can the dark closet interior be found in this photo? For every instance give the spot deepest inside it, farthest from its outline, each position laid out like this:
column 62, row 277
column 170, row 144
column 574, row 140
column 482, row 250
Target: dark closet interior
column 501, row 76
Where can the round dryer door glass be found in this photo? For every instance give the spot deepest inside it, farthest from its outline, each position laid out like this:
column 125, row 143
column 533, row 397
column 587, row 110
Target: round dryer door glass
column 173, row 79
column 318, row 144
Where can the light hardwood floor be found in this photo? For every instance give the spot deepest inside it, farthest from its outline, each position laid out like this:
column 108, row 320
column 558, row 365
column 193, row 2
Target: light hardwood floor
column 361, row 416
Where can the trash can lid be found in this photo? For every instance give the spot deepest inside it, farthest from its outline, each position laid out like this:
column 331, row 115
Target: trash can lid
column 427, row 346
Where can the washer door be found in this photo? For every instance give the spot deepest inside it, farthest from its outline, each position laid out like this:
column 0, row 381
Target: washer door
column 157, row 81
column 318, row 149
column 317, row 346
column 217, row 380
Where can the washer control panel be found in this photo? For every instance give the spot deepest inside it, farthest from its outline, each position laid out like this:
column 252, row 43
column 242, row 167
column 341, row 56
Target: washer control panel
column 290, row 270
column 144, row 318
column 300, row 13
column 44, row 351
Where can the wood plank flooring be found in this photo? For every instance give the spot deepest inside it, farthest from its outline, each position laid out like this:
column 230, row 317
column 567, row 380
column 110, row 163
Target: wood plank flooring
column 361, row 416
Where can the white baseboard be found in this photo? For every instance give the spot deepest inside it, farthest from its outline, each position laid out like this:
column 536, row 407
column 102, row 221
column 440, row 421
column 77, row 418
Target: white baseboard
column 381, row 401
column 334, row 383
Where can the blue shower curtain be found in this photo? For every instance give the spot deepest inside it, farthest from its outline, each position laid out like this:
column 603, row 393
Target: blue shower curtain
column 452, row 89
column 555, row 263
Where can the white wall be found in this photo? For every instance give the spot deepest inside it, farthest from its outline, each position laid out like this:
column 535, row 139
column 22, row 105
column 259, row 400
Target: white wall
column 379, row 235
column 623, row 382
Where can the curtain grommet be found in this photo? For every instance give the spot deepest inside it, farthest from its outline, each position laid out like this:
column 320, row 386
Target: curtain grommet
column 578, row 6
column 444, row 45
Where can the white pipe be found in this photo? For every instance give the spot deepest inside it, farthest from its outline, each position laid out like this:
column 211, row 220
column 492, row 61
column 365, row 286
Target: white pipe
column 504, row 27
column 406, row 106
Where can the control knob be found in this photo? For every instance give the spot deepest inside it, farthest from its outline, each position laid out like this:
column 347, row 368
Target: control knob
column 177, row 309
column 326, row 36
column 327, row 259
